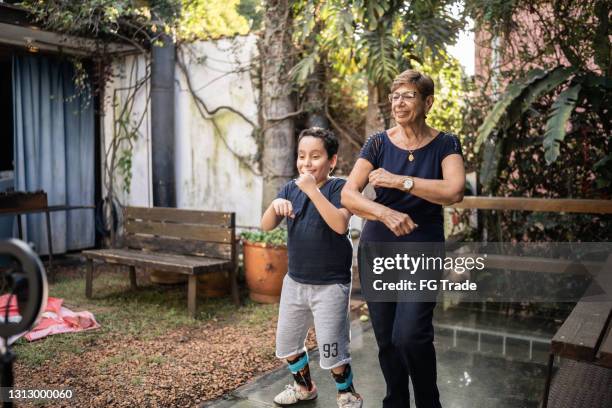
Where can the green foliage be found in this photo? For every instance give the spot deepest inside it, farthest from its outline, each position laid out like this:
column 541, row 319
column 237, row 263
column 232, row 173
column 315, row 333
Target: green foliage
column 450, row 92
column 204, row 19
column 512, row 94
column 549, row 110
column 379, row 36
column 382, row 50
column 98, row 18
column 304, row 68
column 124, row 165
column 557, row 122
column 533, row 92
column 252, row 10
column 601, row 39
column 360, row 43
column 521, row 95
column 276, row 237
column 141, row 22
column 495, row 14
column 604, row 169
column 489, row 167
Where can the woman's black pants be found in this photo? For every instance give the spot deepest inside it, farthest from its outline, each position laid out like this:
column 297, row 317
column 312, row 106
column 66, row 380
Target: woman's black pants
column 404, row 333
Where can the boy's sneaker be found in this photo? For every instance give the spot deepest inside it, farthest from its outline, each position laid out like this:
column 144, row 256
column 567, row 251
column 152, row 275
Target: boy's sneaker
column 349, row 400
column 294, row 394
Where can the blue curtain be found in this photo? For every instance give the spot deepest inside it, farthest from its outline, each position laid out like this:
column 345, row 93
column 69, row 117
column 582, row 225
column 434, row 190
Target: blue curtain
column 54, row 149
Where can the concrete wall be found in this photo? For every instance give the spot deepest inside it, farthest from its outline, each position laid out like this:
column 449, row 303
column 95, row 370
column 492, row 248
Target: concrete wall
column 215, row 159
column 126, row 73
column 215, row 166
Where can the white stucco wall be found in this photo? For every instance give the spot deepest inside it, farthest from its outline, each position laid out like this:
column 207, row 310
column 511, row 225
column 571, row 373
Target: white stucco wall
column 215, row 165
column 126, row 73
column 215, row 158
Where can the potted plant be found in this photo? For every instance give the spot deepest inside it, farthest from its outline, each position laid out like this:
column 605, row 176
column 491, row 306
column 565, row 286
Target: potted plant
column 265, row 263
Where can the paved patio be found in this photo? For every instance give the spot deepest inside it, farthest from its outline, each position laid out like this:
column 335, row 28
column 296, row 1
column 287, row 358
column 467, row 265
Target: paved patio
column 483, row 361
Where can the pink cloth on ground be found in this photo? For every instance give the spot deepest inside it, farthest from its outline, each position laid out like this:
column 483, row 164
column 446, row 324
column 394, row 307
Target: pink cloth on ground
column 54, row 320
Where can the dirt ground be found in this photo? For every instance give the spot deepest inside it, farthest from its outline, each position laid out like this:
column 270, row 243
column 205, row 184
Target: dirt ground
column 147, row 352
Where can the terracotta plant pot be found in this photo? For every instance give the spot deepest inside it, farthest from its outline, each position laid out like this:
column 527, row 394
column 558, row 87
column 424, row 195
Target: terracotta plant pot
column 264, row 267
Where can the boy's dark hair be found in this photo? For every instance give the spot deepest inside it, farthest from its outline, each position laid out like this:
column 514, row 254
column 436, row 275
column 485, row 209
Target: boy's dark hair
column 330, row 141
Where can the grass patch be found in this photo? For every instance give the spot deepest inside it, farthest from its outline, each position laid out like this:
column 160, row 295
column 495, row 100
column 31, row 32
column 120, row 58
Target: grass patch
column 255, row 314
column 146, row 313
column 136, row 380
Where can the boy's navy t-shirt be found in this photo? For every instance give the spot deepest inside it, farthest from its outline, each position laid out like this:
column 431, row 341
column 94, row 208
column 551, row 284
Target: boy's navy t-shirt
column 317, row 254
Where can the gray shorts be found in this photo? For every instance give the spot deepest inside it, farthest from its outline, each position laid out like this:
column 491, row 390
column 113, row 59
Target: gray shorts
column 327, row 306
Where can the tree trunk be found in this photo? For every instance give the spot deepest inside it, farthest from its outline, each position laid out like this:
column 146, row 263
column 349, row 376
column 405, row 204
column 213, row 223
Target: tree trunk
column 384, row 106
column 374, row 120
column 315, row 88
column 315, row 98
column 276, row 50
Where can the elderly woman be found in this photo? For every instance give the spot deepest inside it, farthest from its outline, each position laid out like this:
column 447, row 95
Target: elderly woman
column 414, row 169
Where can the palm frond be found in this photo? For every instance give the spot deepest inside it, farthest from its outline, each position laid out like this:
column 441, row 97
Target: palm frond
column 557, row 121
column 302, row 70
column 380, row 48
column 375, row 10
column 338, row 29
column 539, row 87
column 513, row 91
column 490, row 163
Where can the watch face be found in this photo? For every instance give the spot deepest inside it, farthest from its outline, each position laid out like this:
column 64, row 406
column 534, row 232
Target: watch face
column 408, row 183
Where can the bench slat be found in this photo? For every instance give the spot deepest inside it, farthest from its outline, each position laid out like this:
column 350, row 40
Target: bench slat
column 174, row 263
column 581, row 332
column 581, row 385
column 212, row 218
column 179, row 246
column 189, row 231
column 604, row 357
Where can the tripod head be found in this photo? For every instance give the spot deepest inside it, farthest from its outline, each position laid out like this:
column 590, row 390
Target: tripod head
column 23, row 276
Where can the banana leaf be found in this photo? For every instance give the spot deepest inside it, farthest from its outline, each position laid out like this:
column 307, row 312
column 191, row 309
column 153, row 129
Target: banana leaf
column 531, row 93
column 513, row 91
column 557, row 121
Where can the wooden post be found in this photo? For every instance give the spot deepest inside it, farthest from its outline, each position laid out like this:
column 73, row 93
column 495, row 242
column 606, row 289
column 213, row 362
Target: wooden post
column 133, row 282
column 19, row 227
column 549, row 373
column 234, row 283
column 192, row 286
column 89, row 277
column 49, row 240
column 234, row 267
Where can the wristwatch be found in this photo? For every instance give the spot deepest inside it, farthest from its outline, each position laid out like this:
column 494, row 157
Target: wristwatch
column 408, row 184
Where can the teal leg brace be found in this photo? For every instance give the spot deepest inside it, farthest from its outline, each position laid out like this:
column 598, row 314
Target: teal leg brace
column 300, row 370
column 344, row 381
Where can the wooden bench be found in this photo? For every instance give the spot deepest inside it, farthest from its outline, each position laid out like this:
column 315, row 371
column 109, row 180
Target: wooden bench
column 168, row 239
column 584, row 337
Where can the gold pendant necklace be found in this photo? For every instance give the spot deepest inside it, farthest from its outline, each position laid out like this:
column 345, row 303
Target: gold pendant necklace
column 410, row 152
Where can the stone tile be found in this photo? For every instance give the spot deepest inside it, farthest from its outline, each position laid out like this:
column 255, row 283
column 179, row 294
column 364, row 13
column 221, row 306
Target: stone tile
column 469, row 375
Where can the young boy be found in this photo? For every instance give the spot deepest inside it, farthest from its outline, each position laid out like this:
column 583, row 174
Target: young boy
column 317, row 286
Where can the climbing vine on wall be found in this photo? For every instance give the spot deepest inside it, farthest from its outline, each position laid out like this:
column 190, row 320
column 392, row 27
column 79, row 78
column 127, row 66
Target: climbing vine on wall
column 96, row 25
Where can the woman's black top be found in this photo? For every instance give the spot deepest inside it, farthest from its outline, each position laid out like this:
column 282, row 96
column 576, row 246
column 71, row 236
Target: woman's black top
column 427, row 163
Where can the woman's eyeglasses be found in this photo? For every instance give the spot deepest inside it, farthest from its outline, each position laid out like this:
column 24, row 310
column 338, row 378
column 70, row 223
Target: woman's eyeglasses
column 396, row 97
